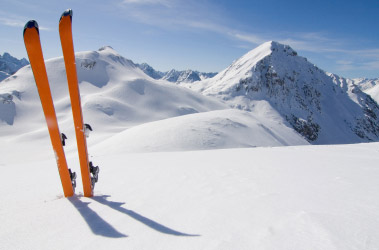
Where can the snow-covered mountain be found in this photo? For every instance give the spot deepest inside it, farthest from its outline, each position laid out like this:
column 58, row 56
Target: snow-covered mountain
column 323, row 108
column 120, row 101
column 188, row 76
column 9, row 65
column 175, row 76
column 369, row 86
column 282, row 96
column 113, row 89
column 204, row 76
column 365, row 83
column 150, row 71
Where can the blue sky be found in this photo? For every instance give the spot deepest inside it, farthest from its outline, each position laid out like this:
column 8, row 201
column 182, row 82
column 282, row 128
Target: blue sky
column 341, row 37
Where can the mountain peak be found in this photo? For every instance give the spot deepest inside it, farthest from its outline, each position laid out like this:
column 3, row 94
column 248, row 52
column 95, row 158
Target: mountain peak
column 245, row 65
column 274, row 47
column 282, row 48
column 9, row 65
column 108, row 50
column 107, row 47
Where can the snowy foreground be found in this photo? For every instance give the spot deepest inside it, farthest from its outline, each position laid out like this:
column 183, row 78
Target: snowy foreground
column 299, row 197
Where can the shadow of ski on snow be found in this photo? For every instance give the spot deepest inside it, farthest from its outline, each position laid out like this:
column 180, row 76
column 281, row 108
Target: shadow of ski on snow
column 97, row 225
column 148, row 222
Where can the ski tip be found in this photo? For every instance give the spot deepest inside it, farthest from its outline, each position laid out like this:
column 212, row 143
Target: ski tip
column 30, row 25
column 67, row 12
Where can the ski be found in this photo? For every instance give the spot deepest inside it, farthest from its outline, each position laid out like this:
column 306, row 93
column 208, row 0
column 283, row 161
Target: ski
column 65, row 32
column 37, row 63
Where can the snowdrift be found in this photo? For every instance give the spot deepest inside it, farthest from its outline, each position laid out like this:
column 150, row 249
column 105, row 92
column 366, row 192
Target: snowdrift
column 228, row 128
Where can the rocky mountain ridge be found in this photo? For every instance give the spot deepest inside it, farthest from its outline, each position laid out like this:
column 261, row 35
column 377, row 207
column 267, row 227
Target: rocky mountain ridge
column 321, row 107
column 9, row 65
column 175, row 76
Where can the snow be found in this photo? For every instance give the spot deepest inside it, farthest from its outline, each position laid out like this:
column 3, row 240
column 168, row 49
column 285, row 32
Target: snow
column 369, row 86
column 374, row 93
column 302, row 197
column 208, row 130
column 240, row 68
column 178, row 169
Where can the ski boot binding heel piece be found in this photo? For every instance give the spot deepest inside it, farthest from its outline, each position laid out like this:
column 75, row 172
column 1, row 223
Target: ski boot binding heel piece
column 94, row 170
column 73, row 178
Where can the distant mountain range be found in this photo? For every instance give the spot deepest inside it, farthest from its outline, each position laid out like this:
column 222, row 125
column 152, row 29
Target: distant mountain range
column 175, row 76
column 9, row 65
column 369, row 86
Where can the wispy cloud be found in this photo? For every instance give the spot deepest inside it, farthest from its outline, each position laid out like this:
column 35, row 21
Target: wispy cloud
column 374, row 65
column 178, row 14
column 11, row 22
column 245, row 37
column 368, row 53
column 344, row 62
column 346, row 67
column 166, row 3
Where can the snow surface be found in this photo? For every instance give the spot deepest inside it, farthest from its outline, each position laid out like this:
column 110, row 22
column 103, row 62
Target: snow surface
column 158, row 187
column 302, row 197
column 215, row 129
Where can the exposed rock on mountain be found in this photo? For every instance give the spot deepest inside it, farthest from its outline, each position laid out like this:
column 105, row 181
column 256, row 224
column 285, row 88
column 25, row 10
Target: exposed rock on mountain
column 9, row 65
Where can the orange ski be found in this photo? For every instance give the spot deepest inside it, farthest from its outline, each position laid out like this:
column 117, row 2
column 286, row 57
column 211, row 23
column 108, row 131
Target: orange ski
column 65, row 32
column 37, row 63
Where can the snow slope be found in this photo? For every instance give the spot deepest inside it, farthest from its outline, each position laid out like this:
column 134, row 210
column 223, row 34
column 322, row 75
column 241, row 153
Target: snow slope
column 303, row 197
column 228, row 128
column 369, row 86
column 365, row 83
column 323, row 108
column 114, row 92
column 374, row 93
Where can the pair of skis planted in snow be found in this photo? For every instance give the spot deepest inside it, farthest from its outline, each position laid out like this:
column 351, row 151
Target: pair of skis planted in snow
column 89, row 172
